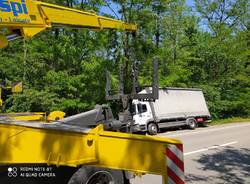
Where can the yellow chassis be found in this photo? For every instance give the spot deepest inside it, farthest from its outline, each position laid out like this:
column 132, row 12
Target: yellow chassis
column 64, row 145
column 33, row 116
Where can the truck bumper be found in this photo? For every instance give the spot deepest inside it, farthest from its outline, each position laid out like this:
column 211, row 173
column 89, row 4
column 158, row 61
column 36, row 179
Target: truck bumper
column 139, row 128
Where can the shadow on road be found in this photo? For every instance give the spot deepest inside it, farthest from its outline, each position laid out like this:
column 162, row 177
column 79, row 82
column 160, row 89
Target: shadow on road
column 232, row 166
column 173, row 129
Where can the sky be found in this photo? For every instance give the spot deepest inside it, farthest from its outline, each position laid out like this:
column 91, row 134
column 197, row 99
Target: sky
column 115, row 8
column 190, row 2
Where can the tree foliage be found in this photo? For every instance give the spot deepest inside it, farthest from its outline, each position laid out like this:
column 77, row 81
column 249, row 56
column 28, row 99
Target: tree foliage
column 64, row 69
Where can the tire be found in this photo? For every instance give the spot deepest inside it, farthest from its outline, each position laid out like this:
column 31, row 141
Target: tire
column 152, row 129
column 93, row 175
column 192, row 124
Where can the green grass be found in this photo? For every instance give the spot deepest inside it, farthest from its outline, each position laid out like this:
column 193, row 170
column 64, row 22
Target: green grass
column 229, row 120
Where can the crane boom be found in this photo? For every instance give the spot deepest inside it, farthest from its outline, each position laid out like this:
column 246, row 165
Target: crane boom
column 26, row 18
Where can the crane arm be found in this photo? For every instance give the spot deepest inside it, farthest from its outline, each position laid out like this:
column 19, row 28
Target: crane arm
column 26, row 18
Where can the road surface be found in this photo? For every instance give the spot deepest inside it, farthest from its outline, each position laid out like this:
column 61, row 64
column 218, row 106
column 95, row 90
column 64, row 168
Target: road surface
column 216, row 154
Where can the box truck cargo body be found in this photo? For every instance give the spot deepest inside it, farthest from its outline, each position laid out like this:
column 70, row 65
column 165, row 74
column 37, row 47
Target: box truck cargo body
column 175, row 107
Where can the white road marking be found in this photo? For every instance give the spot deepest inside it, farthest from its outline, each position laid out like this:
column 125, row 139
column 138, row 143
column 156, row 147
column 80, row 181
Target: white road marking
column 207, row 130
column 210, row 148
column 226, row 144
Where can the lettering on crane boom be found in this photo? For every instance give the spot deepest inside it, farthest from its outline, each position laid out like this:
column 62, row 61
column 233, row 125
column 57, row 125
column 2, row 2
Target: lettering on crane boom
column 16, row 7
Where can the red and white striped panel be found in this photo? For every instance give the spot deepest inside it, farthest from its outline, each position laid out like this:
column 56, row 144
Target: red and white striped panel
column 175, row 164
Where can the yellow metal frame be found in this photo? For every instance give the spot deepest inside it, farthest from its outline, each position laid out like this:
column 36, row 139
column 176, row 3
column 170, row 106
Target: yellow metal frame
column 1, row 101
column 136, row 153
column 23, row 116
column 33, row 116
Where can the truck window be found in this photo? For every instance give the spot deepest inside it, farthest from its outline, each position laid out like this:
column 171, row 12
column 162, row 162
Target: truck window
column 142, row 108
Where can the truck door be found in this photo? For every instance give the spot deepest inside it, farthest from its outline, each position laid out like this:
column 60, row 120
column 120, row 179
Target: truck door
column 142, row 115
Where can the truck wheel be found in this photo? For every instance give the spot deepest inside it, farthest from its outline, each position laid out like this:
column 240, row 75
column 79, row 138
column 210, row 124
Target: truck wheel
column 192, row 124
column 152, row 129
column 93, row 175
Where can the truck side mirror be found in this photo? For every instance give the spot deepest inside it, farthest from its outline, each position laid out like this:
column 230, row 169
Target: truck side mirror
column 133, row 109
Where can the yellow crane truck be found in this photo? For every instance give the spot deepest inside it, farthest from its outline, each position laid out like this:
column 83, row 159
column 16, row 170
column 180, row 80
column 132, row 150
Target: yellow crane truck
column 87, row 143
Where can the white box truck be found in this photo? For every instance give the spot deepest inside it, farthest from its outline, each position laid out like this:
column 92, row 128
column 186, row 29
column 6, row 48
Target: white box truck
column 175, row 107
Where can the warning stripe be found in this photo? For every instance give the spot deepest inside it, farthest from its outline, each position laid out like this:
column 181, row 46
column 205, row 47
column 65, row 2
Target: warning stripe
column 176, row 152
column 175, row 159
column 170, row 181
column 174, row 177
column 175, row 169
column 179, row 146
column 174, row 164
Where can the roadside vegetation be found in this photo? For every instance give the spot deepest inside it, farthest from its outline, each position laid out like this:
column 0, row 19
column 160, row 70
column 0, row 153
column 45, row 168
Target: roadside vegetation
column 205, row 46
column 230, row 120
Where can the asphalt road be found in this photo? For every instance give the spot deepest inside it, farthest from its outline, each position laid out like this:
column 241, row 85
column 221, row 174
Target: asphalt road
column 217, row 154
